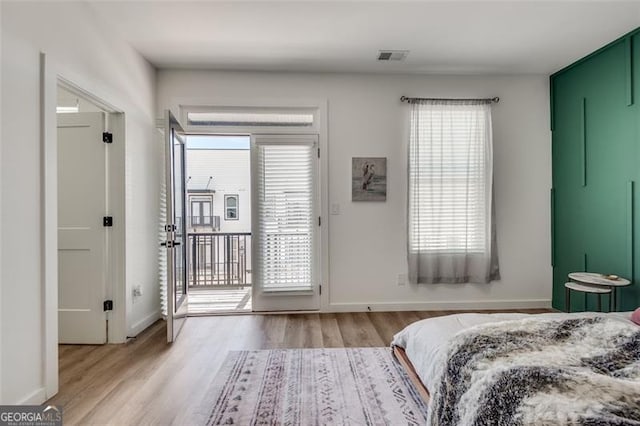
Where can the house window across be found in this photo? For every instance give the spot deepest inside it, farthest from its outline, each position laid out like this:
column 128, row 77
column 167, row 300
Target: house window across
column 201, row 212
column 231, row 207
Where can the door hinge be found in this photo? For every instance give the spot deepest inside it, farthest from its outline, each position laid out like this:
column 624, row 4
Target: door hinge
column 107, row 305
column 318, row 152
column 169, row 228
column 107, row 137
column 170, row 244
column 319, row 221
column 320, row 289
column 107, row 221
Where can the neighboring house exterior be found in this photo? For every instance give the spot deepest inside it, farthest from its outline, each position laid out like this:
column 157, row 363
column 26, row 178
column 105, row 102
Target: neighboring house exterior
column 219, row 190
column 219, row 203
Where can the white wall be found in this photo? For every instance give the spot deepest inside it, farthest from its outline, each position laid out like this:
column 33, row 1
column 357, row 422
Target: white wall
column 80, row 48
column 367, row 241
column 231, row 173
column 1, row 221
column 143, row 174
column 21, row 284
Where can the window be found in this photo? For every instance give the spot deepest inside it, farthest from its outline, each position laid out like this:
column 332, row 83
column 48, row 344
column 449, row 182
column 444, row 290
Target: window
column 225, row 118
column 230, row 207
column 260, row 119
column 451, row 237
column 201, row 213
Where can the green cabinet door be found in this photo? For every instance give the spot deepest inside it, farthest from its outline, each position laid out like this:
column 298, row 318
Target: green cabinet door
column 595, row 173
column 568, row 179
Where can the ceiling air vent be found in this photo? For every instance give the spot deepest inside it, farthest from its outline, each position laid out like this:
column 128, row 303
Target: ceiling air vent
column 392, row 55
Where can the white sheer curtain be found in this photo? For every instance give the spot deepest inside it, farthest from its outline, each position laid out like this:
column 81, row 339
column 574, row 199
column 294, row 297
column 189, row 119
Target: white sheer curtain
column 450, row 213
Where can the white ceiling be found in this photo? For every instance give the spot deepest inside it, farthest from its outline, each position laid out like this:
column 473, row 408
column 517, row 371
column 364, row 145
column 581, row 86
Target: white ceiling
column 443, row 36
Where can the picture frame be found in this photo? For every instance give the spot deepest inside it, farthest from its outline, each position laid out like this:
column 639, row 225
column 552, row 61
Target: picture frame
column 369, row 179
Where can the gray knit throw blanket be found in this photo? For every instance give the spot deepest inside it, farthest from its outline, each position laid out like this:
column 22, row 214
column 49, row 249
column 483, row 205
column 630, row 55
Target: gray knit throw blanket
column 583, row 371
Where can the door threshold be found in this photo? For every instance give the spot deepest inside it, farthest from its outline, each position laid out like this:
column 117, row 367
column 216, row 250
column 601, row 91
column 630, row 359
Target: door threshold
column 247, row 312
column 219, row 313
column 224, row 313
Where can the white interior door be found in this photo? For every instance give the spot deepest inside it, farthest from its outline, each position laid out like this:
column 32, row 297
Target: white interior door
column 82, row 238
column 286, row 222
column 176, row 228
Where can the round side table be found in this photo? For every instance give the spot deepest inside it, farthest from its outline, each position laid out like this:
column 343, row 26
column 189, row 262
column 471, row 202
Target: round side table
column 586, row 289
column 600, row 280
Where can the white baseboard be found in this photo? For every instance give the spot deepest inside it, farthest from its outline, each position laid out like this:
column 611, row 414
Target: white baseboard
column 142, row 325
column 474, row 305
column 36, row 397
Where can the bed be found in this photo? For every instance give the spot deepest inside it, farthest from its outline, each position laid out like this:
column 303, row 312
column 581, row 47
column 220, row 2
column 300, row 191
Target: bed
column 508, row 369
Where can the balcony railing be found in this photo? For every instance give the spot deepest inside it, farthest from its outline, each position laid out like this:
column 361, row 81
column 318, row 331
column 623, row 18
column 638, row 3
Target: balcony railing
column 212, row 222
column 219, row 259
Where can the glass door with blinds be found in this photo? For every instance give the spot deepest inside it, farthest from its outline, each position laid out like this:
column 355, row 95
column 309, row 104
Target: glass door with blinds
column 286, row 221
column 176, row 212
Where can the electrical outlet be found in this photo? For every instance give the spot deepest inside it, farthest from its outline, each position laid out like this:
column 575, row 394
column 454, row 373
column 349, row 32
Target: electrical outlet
column 402, row 279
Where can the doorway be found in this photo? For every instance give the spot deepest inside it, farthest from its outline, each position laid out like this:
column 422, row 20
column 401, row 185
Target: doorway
column 89, row 216
column 253, row 223
column 218, row 169
column 288, row 255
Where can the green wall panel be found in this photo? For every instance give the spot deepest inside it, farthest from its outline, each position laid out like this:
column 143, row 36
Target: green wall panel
column 596, row 161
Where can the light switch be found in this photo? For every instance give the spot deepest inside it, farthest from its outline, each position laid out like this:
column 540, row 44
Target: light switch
column 335, row 208
column 402, row 279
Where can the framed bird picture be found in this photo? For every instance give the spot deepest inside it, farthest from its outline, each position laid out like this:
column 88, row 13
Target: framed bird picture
column 368, row 179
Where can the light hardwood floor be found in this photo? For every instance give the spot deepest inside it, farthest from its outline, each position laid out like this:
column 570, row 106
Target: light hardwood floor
column 147, row 381
column 219, row 300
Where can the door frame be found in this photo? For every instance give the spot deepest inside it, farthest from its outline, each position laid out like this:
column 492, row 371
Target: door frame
column 179, row 104
column 52, row 75
column 115, row 206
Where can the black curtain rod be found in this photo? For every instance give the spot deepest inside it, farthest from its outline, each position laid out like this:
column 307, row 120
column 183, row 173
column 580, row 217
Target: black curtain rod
column 410, row 100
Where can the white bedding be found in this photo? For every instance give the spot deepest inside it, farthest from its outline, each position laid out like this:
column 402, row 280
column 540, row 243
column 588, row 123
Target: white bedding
column 425, row 341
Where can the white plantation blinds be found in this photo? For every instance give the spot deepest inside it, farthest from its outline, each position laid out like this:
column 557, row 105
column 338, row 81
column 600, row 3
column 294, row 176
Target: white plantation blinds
column 287, row 214
column 450, row 192
column 448, row 186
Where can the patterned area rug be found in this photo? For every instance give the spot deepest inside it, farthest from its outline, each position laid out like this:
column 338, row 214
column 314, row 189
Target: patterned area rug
column 357, row 386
